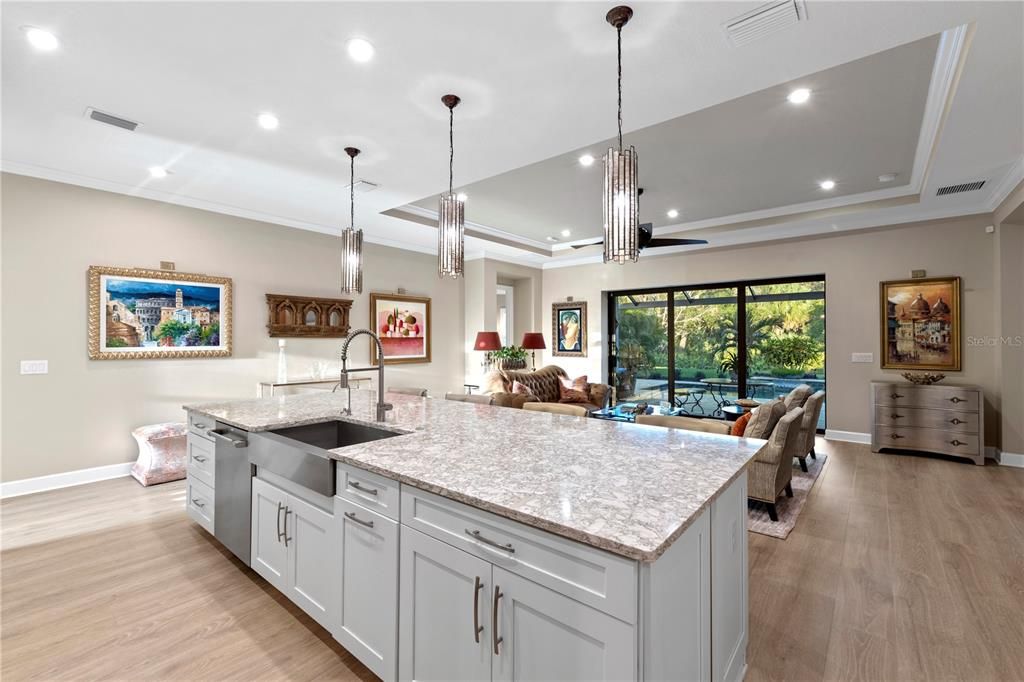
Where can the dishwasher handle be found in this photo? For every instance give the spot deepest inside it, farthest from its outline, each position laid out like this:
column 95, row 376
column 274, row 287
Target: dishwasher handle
column 236, row 441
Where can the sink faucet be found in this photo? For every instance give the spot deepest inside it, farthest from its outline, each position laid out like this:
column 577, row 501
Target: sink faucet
column 382, row 407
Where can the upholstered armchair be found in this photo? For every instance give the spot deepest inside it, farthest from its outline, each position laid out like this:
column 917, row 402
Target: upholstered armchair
column 809, row 428
column 798, row 396
column 771, row 472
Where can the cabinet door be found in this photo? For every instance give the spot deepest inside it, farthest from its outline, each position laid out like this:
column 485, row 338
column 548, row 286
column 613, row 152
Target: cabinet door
column 443, row 606
column 544, row 635
column 312, row 560
column 269, row 554
column 367, row 622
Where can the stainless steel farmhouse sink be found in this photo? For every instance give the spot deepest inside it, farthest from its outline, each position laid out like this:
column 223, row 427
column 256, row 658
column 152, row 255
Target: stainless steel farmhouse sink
column 299, row 453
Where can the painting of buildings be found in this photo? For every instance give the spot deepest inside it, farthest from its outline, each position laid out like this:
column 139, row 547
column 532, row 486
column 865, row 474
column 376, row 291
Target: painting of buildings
column 921, row 324
column 164, row 314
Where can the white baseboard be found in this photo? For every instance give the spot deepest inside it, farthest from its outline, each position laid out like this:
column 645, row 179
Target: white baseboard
column 847, row 436
column 27, row 486
column 1009, row 459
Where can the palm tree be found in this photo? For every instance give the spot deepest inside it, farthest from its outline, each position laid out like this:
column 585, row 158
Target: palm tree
column 727, row 337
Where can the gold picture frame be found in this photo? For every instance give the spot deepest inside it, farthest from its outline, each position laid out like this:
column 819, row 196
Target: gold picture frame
column 114, row 300
column 404, row 341
column 569, row 329
column 920, row 324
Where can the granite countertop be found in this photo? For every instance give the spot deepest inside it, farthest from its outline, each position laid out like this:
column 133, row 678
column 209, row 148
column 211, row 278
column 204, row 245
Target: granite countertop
column 628, row 489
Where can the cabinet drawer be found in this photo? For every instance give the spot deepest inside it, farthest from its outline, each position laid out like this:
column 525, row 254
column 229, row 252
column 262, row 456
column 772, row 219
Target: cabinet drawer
column 940, row 397
column 586, row 574
column 199, row 503
column 199, row 424
column 373, row 491
column 928, row 440
column 201, row 453
column 955, row 422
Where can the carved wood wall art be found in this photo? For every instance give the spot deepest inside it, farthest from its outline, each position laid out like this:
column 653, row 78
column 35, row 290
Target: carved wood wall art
column 307, row 316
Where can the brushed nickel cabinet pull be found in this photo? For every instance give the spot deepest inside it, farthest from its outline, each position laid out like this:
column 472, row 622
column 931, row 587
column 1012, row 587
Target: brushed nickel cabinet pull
column 956, row 442
column 956, row 399
column 287, row 511
column 954, row 420
column 198, row 425
column 895, row 395
column 896, row 416
column 477, row 628
column 280, row 533
column 494, row 621
column 895, row 436
column 199, row 458
column 197, row 503
column 475, row 534
column 368, row 491
column 350, row 515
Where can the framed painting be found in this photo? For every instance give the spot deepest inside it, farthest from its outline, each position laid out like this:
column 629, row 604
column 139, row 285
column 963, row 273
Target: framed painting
column 403, row 325
column 136, row 314
column 569, row 329
column 920, row 324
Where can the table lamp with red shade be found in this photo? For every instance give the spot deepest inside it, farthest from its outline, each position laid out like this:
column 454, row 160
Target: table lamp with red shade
column 487, row 342
column 533, row 342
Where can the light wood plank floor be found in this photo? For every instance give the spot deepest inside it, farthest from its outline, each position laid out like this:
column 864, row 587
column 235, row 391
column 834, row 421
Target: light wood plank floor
column 899, row 568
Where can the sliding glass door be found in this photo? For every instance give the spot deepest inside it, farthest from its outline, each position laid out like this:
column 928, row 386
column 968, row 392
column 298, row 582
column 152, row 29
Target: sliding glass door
column 702, row 348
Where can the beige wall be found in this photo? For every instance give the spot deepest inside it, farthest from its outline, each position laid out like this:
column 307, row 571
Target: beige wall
column 81, row 414
column 1009, row 218
column 853, row 265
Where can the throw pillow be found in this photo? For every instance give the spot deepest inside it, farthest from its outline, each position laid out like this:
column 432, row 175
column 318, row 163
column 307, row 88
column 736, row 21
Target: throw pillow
column 494, row 382
column 740, row 425
column 521, row 389
column 573, row 390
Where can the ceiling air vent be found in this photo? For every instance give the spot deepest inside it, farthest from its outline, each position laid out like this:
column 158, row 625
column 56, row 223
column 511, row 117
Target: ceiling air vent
column 765, row 20
column 110, row 119
column 364, row 186
column 962, row 187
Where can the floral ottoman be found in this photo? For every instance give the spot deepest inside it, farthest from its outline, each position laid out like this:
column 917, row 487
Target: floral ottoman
column 161, row 453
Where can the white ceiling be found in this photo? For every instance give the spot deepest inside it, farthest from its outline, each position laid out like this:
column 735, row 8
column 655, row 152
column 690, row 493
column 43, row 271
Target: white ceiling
column 747, row 154
column 536, row 80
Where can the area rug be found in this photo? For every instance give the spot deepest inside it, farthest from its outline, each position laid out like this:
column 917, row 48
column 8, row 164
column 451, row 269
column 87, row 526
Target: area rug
column 788, row 508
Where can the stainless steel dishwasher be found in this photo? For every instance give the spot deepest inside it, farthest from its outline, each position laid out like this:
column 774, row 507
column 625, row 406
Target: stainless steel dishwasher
column 232, row 500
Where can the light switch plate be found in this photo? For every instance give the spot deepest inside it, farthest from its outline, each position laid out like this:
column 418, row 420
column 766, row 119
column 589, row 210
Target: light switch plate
column 35, row 367
column 862, row 357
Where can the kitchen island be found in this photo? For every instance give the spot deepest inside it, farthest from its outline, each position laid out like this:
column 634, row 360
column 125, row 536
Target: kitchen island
column 468, row 541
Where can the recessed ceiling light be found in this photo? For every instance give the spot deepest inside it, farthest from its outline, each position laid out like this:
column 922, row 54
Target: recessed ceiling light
column 40, row 39
column 268, row 121
column 552, row 239
column 587, row 160
column 799, row 96
column 673, row 213
column 566, row 233
column 360, row 50
column 827, row 184
column 157, row 172
column 887, row 177
column 461, row 196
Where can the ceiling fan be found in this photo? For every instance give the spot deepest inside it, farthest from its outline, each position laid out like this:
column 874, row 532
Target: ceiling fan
column 647, row 238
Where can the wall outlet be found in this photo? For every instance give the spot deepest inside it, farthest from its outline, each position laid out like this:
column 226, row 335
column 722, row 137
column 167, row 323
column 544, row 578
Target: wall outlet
column 862, row 357
column 35, row 367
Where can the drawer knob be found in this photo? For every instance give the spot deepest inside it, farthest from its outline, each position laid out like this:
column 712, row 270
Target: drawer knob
column 895, row 436
column 353, row 517
column 361, row 488
column 956, row 442
column 954, row 420
column 896, row 416
column 957, row 399
column 895, row 395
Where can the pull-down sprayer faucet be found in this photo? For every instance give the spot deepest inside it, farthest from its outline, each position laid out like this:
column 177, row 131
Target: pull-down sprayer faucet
column 382, row 407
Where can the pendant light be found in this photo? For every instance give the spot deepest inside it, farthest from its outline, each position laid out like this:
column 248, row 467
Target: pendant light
column 621, row 206
column 451, row 219
column 351, row 238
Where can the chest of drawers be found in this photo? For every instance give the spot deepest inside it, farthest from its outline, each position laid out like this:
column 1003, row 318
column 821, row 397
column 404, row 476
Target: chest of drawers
column 948, row 420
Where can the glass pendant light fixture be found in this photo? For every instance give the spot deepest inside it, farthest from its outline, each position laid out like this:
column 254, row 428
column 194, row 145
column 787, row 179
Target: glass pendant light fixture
column 351, row 238
column 451, row 219
column 621, row 206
